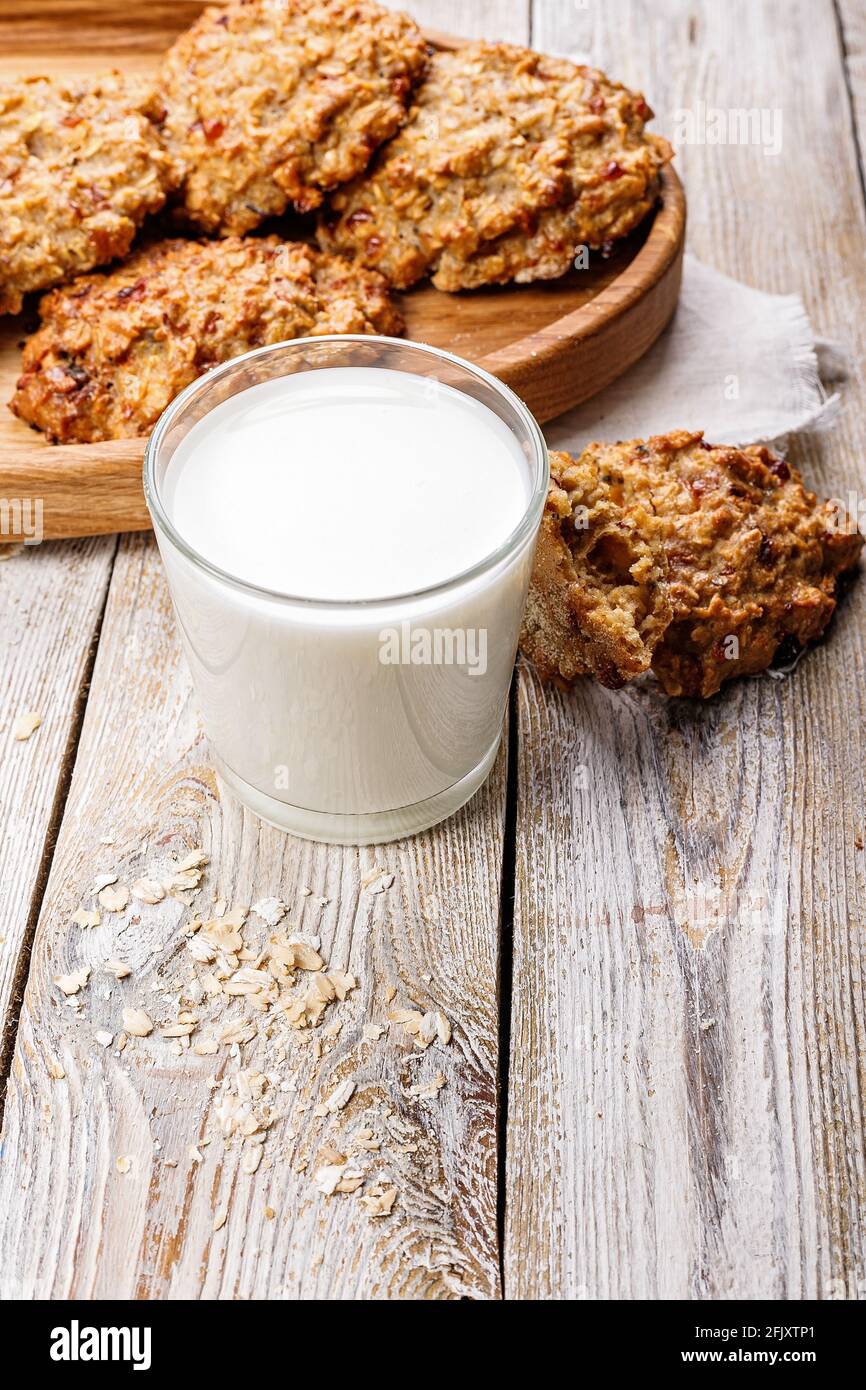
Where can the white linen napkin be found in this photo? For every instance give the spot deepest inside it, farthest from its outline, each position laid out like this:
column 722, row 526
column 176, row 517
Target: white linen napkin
column 741, row 365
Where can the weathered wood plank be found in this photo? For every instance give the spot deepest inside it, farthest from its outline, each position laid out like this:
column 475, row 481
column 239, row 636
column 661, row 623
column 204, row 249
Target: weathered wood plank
column 142, row 779
column 852, row 32
column 685, row 1112
column 51, row 598
column 483, row 19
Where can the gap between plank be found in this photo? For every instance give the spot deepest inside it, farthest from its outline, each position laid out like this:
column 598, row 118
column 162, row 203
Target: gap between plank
column 852, row 105
column 58, row 807
column 506, row 964
column 506, row 932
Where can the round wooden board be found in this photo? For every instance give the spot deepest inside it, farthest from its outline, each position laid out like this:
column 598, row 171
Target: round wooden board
column 556, row 343
column 577, row 334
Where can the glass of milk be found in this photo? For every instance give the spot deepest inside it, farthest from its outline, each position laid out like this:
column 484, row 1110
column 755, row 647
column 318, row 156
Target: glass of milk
column 348, row 525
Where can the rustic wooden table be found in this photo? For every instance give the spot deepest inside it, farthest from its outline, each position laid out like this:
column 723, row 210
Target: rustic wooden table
column 648, row 930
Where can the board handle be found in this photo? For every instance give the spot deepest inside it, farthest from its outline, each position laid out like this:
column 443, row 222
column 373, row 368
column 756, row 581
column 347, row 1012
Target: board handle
column 74, row 490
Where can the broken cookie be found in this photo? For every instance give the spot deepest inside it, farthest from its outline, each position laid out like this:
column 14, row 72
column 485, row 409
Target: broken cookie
column 698, row 561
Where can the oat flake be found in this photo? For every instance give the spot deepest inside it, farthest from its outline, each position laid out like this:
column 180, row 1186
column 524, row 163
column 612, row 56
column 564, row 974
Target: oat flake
column 25, row 726
column 137, row 1022
column 72, row 983
column 114, row 899
column 147, row 890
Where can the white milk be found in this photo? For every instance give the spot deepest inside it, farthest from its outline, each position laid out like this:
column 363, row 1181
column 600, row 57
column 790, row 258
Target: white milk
column 348, row 483
column 346, row 703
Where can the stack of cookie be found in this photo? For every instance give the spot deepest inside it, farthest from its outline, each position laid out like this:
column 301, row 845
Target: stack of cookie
column 480, row 166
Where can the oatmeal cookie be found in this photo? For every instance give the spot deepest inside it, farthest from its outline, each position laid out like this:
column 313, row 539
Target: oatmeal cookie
column 509, row 161
column 80, row 168
column 264, row 103
column 742, row 560
column 599, row 603
column 114, row 349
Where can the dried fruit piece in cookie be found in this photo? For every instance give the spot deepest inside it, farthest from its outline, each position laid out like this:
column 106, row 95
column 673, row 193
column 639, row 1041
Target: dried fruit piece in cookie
column 509, row 161
column 115, row 349
column 269, row 102
column 80, row 168
column 598, row 604
column 748, row 558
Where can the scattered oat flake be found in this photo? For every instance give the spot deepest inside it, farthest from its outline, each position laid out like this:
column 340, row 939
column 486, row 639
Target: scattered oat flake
column 430, row 1089
column 372, row 1032
column 196, row 859
column 328, row 1177
column 251, row 1159
column 84, row 918
column 222, row 932
column 123, row 1164
column 181, row 880
column 103, row 881
column 114, row 899
column 104, row 1039
column 380, row 1200
column 443, row 1027
column 377, row 881
column 137, row 1022
column 271, row 910
column 343, row 982
column 390, row 993
column 55, row 1070
column 220, row 1219
column 428, row 1030
column 328, row 1154
column 351, row 1180
column 26, row 725
column 201, row 950
column 118, row 968
column 409, row 1019
column 72, row 983
column 196, row 1156
column 305, row 957
column 205, row 1047
column 147, row 890
column 339, row 1098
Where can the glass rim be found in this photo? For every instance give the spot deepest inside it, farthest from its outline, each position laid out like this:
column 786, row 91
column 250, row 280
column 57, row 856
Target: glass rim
column 511, row 545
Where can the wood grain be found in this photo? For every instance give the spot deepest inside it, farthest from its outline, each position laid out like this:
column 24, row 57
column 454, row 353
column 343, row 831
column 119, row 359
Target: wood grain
column 851, row 20
column 143, row 779
column 685, row 1101
column 555, row 343
column 51, row 599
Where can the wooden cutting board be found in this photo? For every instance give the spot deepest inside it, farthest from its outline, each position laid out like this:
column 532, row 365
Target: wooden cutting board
column 555, row 343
